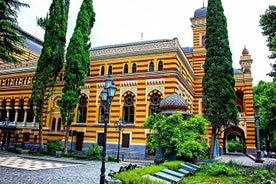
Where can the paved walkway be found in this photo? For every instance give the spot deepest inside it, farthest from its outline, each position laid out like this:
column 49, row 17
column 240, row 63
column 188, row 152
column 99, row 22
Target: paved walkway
column 25, row 169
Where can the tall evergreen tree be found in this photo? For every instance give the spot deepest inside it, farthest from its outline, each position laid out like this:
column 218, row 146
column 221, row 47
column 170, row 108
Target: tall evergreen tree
column 268, row 24
column 51, row 59
column 77, row 65
column 10, row 38
column 219, row 98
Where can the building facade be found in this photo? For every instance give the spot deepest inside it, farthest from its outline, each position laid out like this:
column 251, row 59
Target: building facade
column 144, row 73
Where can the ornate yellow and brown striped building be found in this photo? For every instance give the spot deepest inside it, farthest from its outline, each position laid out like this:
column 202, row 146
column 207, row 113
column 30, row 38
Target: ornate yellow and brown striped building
column 144, row 73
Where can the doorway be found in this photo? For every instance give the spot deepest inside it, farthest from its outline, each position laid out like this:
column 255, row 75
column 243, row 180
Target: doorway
column 79, row 140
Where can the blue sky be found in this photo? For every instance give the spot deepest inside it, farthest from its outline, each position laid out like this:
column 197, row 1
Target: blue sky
column 123, row 21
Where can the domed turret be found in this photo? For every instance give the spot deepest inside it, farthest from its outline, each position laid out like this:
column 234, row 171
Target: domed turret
column 201, row 12
column 245, row 51
column 173, row 103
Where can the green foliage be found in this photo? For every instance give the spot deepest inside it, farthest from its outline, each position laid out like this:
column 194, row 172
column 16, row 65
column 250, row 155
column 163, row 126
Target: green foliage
column 268, row 24
column 52, row 147
column 111, row 159
column 221, row 169
column 135, row 175
column 219, row 97
column 94, row 152
column 10, row 37
column 175, row 134
column 263, row 94
column 234, row 146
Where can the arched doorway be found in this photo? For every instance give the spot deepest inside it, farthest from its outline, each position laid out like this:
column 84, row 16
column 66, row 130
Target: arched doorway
column 234, row 140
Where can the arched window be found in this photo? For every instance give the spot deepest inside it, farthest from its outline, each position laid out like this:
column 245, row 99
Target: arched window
column 21, row 111
column 59, row 124
column 128, row 108
column 155, row 99
column 12, row 110
column 109, row 70
column 151, row 67
column 82, row 110
column 160, row 66
column 30, row 114
column 53, row 124
column 3, row 110
column 102, row 70
column 126, row 68
column 203, row 40
column 134, row 68
column 101, row 114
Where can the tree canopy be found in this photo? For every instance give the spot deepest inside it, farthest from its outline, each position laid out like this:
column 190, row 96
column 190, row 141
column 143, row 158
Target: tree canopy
column 77, row 64
column 268, row 24
column 264, row 94
column 10, row 37
column 219, row 97
column 174, row 133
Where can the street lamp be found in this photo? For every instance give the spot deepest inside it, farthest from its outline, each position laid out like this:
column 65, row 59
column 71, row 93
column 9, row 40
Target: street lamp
column 119, row 126
column 257, row 121
column 107, row 95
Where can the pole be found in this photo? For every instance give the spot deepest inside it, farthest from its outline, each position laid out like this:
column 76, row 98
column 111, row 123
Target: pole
column 258, row 138
column 118, row 153
column 102, row 179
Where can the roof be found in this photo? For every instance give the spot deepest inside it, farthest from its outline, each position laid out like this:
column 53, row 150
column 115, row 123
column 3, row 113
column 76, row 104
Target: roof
column 201, row 12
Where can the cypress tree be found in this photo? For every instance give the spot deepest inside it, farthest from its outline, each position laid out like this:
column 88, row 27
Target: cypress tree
column 10, row 37
column 219, row 97
column 77, row 65
column 51, row 59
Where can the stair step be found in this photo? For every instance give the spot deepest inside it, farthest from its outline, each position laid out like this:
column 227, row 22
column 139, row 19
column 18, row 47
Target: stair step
column 184, row 171
column 155, row 178
column 174, row 173
column 193, row 165
column 189, row 168
column 167, row 177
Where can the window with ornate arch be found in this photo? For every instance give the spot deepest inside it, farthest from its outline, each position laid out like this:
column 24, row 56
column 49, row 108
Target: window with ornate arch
column 151, row 66
column 134, row 68
column 82, row 110
column 56, row 124
column 21, row 111
column 30, row 113
column 160, row 66
column 155, row 99
column 12, row 111
column 128, row 108
column 101, row 114
column 109, row 70
column 102, row 70
column 126, row 68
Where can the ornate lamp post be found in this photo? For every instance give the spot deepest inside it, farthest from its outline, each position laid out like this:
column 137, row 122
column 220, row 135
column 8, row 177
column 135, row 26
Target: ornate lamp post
column 257, row 121
column 119, row 126
column 107, row 95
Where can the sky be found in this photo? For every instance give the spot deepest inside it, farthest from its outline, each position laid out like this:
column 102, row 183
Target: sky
column 124, row 21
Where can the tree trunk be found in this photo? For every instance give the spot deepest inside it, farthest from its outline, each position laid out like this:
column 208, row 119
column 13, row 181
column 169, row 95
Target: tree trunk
column 40, row 136
column 213, row 141
column 66, row 137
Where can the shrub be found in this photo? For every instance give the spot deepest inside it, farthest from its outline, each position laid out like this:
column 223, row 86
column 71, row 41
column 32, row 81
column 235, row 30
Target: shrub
column 221, row 169
column 94, row 152
column 52, row 147
column 234, row 146
column 111, row 159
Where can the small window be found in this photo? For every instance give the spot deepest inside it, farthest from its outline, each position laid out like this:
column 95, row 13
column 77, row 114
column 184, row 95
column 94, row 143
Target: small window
column 100, row 139
column 26, row 137
column 134, row 68
column 110, row 70
column 102, row 70
column 82, row 110
column 101, row 114
column 203, row 40
column 125, row 140
column 160, row 66
column 151, row 67
column 126, row 68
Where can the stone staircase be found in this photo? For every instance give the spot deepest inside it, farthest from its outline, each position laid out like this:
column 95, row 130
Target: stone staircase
column 168, row 176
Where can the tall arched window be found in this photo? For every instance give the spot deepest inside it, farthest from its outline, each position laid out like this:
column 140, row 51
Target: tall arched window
column 102, row 70
column 53, row 124
column 151, row 66
column 155, row 99
column 82, row 110
column 160, row 66
column 126, row 68
column 134, row 68
column 12, row 111
column 30, row 114
column 59, row 124
column 128, row 108
column 109, row 70
column 101, row 114
column 3, row 110
column 21, row 111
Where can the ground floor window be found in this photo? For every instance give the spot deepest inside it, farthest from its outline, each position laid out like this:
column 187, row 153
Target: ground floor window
column 125, row 140
column 100, row 139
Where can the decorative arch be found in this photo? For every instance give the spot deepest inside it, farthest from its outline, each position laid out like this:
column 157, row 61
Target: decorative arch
column 154, row 98
column 239, row 132
column 82, row 109
column 128, row 110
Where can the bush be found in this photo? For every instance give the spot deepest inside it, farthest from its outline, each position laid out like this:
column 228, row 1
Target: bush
column 234, row 146
column 111, row 159
column 94, row 152
column 52, row 147
column 222, row 169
